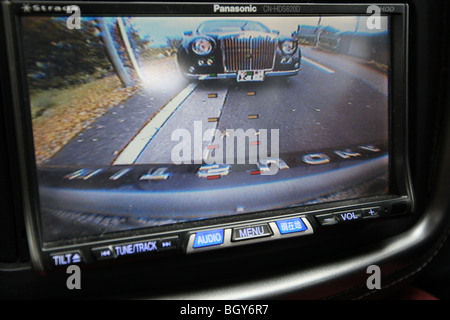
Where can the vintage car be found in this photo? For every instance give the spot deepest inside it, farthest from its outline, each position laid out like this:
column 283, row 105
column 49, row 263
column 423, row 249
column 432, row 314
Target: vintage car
column 241, row 49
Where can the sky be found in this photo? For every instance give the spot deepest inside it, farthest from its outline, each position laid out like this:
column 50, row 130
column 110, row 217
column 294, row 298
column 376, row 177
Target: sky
column 159, row 28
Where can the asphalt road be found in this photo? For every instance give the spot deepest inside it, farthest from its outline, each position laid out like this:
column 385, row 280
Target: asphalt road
column 334, row 102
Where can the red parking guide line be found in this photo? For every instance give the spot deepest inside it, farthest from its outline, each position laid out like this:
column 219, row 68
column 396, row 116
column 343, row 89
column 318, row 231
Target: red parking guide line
column 212, row 147
column 254, row 143
column 213, row 177
column 255, row 172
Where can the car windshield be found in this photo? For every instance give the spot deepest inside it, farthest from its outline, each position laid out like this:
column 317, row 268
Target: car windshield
column 231, row 26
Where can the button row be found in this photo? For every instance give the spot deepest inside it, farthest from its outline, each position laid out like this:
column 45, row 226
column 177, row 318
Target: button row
column 227, row 237
column 210, row 238
column 329, row 219
column 218, row 237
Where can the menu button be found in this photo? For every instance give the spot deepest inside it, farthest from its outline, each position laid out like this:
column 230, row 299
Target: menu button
column 251, row 232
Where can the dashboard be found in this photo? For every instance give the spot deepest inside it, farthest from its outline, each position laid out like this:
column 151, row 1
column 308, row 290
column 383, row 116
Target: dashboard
column 224, row 151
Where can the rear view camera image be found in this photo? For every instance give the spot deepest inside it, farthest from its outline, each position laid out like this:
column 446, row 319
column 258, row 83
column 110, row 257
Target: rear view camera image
column 151, row 121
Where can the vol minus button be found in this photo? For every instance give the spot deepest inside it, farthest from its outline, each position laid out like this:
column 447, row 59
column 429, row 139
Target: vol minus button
column 327, row 219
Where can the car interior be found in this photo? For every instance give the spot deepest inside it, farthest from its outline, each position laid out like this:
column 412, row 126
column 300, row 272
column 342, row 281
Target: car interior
column 101, row 198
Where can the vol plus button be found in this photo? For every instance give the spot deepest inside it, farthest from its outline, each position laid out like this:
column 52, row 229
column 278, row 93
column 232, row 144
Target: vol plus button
column 371, row 213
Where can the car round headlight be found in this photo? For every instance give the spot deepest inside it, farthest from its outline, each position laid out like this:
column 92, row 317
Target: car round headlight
column 288, row 46
column 202, row 46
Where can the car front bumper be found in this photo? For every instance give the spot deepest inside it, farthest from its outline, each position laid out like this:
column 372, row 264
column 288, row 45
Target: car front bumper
column 230, row 75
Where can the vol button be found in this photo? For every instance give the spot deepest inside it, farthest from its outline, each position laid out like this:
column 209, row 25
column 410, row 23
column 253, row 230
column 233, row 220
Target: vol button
column 349, row 215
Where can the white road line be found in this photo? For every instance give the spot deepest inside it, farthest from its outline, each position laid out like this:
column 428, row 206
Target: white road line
column 135, row 147
column 318, row 65
column 209, row 136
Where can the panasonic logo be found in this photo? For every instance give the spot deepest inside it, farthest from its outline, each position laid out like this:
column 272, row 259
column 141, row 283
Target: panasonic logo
column 231, row 9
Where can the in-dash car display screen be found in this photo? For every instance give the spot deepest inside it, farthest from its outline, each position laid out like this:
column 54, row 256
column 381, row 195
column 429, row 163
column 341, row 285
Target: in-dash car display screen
column 142, row 122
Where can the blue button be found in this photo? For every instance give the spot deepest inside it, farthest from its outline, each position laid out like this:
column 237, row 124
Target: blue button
column 208, row 238
column 291, row 225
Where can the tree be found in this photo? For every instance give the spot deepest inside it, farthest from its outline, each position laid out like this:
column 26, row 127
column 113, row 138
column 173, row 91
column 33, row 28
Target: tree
column 57, row 56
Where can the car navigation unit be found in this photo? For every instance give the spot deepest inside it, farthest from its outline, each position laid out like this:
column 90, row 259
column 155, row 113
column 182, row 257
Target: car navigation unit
column 149, row 127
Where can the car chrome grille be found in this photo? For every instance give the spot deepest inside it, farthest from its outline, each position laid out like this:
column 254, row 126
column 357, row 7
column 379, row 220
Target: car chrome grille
column 248, row 54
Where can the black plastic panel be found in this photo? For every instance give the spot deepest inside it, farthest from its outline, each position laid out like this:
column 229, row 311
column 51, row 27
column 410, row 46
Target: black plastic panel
column 332, row 265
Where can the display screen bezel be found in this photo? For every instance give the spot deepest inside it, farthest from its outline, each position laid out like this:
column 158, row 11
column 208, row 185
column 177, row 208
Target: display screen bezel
column 399, row 184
